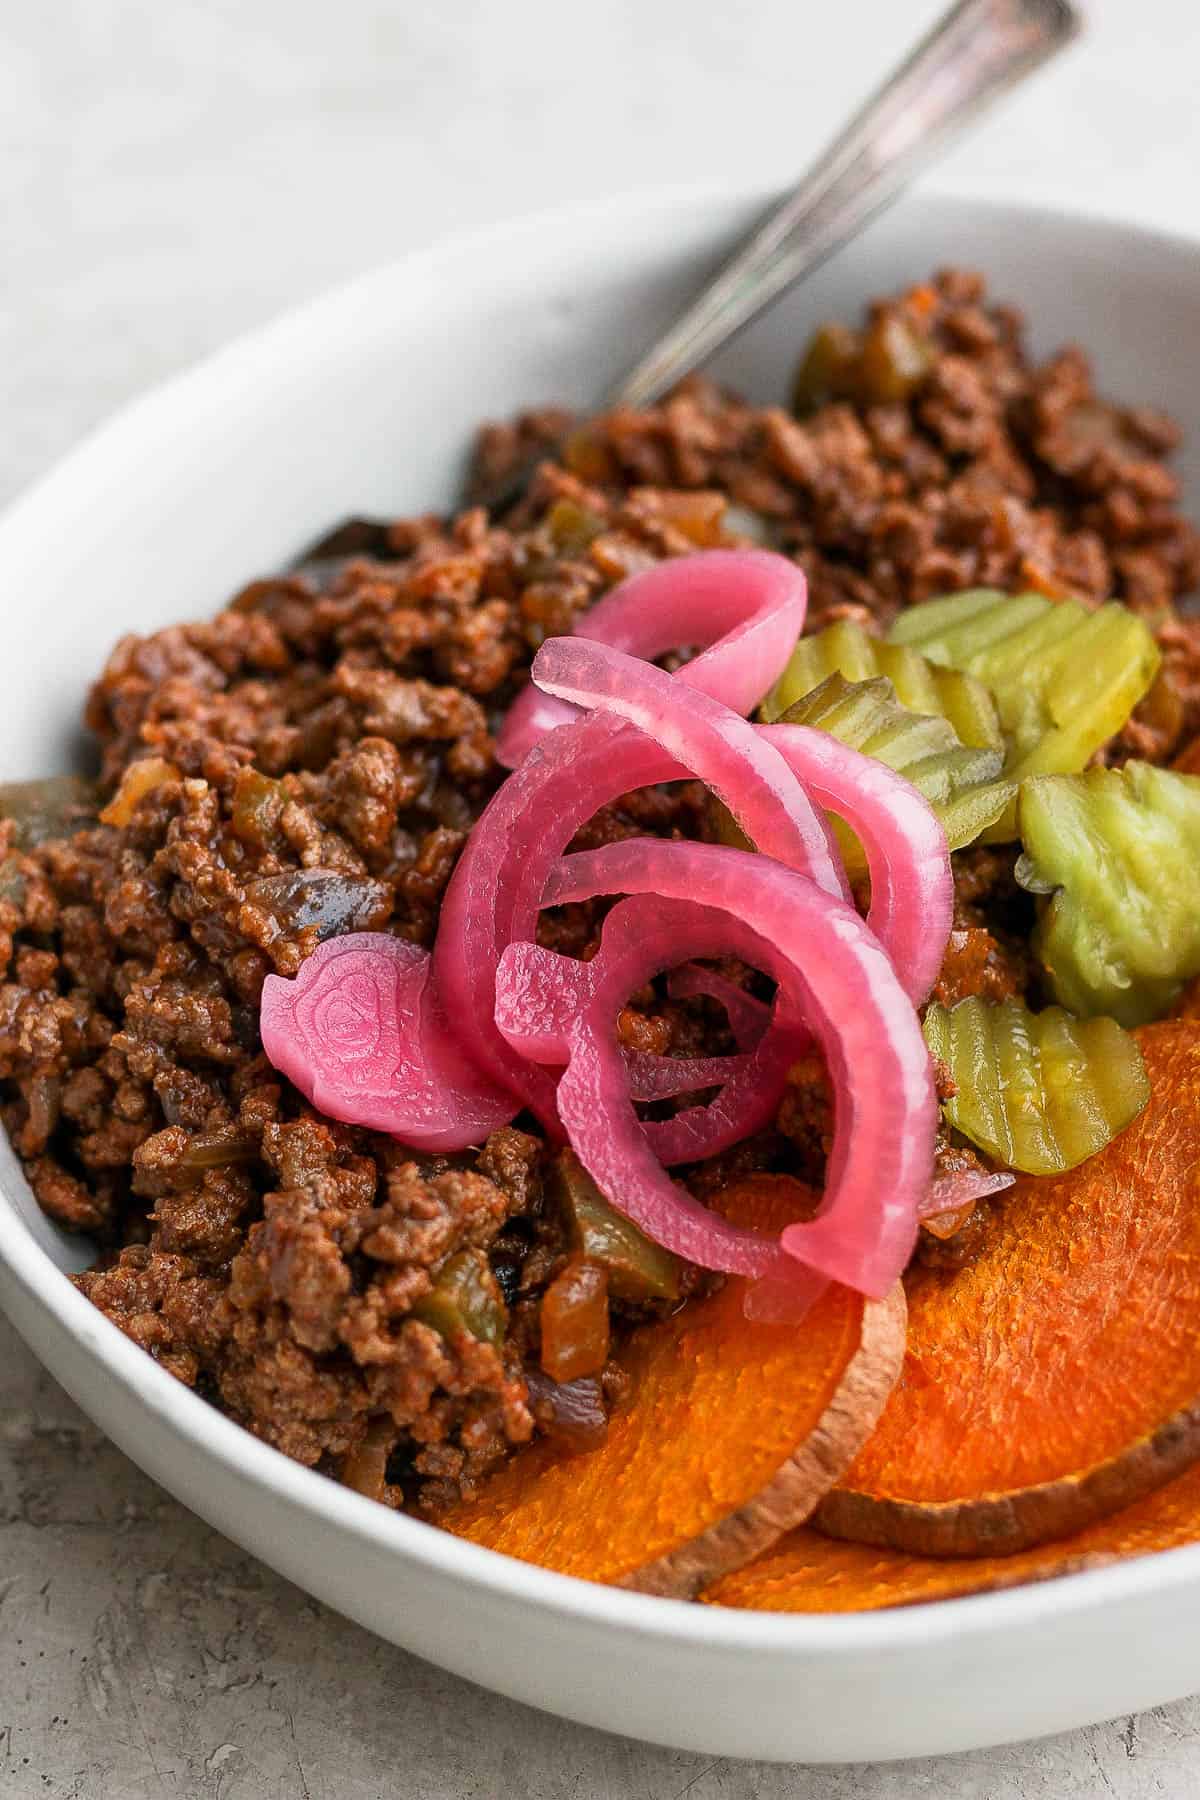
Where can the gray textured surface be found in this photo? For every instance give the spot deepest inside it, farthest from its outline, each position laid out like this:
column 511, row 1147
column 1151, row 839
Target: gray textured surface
column 172, row 171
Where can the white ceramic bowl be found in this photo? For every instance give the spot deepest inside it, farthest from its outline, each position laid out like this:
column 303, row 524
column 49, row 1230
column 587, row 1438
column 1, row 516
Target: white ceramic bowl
column 365, row 401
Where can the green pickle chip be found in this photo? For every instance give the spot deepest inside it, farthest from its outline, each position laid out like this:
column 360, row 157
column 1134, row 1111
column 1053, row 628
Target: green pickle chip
column 1039, row 1092
column 1064, row 679
column 960, row 781
column 844, row 648
column 1115, row 852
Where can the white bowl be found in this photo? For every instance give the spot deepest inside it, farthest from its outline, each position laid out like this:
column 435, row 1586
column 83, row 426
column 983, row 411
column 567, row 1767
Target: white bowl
column 365, row 401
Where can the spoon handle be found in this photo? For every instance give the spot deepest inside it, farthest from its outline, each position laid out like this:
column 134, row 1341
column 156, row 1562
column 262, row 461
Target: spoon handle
column 972, row 55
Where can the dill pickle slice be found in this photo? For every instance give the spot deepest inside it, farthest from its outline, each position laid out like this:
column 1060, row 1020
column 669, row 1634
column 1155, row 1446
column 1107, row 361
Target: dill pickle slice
column 960, row 781
column 844, row 648
column 1064, row 679
column 1116, row 851
column 968, row 706
column 1027, row 1099
column 1040, row 1092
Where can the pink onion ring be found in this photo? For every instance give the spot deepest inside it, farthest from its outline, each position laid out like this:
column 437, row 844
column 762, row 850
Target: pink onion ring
column 885, row 1106
column 712, row 742
column 360, row 1033
column 748, row 1100
column 640, row 938
column 751, row 1084
column 747, row 605
column 666, row 1077
column 912, row 889
column 495, row 892
column 748, row 1017
column 912, row 884
column 540, row 1008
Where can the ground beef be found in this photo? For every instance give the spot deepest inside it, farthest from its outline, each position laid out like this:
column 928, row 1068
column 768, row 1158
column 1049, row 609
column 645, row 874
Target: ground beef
column 310, row 762
column 956, row 463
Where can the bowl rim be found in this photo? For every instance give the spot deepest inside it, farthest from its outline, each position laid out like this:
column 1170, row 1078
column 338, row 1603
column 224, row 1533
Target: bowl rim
column 216, row 1436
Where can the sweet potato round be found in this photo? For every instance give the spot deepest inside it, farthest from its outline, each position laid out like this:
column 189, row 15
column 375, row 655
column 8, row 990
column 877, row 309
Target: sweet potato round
column 1057, row 1378
column 735, row 1430
column 808, row 1572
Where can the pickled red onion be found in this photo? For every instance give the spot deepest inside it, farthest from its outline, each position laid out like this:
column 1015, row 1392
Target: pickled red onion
column 912, row 889
column 360, row 1033
column 639, row 938
column 885, row 1108
column 912, row 886
column 748, row 1099
column 540, row 1008
column 711, row 741
column 747, row 1016
column 386, row 1027
column 946, row 1193
column 747, row 606
column 666, row 1077
column 493, row 897
column 495, row 892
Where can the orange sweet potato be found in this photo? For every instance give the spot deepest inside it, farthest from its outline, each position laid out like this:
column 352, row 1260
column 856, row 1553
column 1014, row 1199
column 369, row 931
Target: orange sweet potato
column 808, row 1572
column 1057, row 1378
column 734, row 1431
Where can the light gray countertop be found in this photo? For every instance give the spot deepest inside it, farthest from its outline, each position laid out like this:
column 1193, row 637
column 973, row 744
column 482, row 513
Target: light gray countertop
column 171, row 172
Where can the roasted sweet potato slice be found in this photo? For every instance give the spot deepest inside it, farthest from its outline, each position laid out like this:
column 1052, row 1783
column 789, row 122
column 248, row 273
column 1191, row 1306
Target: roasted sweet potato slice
column 734, row 1431
column 807, row 1572
column 1057, row 1378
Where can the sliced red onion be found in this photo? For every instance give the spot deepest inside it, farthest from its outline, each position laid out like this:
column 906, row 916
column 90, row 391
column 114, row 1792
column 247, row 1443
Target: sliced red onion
column 666, row 1077
column 912, row 886
column 360, row 1033
column 885, row 1104
column 540, row 1005
column 912, row 889
column 640, row 938
column 748, row 1100
column 711, row 741
column 946, row 1193
column 748, row 1016
column 748, row 606
column 495, row 892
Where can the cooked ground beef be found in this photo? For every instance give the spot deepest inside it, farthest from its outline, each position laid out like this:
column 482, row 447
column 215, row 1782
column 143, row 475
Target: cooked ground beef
column 310, row 762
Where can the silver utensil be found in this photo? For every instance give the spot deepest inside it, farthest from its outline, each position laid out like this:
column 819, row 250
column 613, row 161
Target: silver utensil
column 975, row 53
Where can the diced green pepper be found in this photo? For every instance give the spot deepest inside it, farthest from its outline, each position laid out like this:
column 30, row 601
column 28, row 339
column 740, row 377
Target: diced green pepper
column 637, row 1269
column 884, row 364
column 828, row 368
column 573, row 527
column 258, row 804
column 895, row 361
column 465, row 1298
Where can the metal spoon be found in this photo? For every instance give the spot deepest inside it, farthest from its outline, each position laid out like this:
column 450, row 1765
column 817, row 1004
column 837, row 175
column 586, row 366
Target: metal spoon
column 975, row 53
